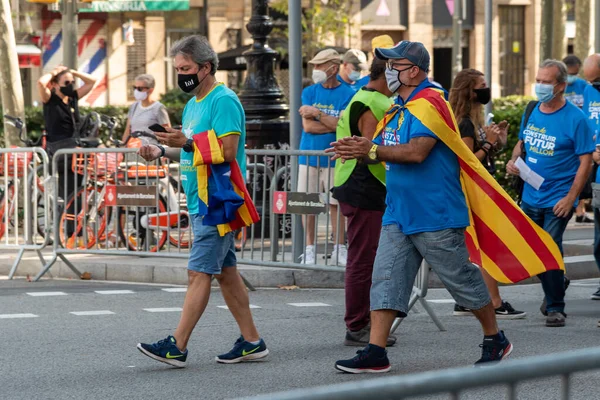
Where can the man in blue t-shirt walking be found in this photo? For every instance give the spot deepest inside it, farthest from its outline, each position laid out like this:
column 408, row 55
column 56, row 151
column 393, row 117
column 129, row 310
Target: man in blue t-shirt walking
column 322, row 104
column 591, row 108
column 213, row 107
column 421, row 170
column 558, row 146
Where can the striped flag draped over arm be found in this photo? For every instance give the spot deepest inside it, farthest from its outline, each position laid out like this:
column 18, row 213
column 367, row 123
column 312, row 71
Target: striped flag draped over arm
column 501, row 238
column 227, row 204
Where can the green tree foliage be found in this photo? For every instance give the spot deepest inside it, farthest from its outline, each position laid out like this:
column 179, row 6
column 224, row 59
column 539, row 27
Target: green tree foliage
column 323, row 22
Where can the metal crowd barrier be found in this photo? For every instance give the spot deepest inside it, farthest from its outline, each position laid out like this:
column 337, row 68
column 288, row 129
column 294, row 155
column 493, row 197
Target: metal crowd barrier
column 111, row 202
column 24, row 202
column 456, row 381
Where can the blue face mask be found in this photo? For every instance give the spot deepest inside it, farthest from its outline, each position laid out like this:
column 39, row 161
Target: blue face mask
column 544, row 92
column 571, row 79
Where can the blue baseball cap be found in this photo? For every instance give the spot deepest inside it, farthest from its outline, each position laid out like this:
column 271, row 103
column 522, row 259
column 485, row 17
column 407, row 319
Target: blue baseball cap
column 415, row 52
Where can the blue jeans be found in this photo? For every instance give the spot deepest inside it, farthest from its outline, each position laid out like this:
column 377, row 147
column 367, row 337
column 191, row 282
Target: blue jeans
column 399, row 258
column 553, row 282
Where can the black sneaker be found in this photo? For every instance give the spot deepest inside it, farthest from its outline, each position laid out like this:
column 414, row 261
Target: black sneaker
column 544, row 304
column 583, row 219
column 494, row 350
column 460, row 311
column 365, row 362
column 361, row 338
column 506, row 311
column 555, row 320
column 596, row 295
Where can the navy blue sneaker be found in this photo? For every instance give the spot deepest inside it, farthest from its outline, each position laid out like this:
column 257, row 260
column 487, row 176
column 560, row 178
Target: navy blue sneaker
column 365, row 361
column 244, row 351
column 494, row 350
column 164, row 351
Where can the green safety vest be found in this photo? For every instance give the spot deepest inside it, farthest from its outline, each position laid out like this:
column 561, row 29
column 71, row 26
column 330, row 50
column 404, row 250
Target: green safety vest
column 378, row 104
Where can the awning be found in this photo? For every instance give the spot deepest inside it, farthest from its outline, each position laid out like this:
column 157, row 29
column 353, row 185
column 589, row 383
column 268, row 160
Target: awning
column 29, row 55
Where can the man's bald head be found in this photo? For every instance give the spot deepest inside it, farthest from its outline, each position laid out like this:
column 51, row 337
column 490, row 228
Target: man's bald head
column 591, row 68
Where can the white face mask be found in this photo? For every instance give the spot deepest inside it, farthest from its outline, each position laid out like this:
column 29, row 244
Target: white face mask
column 319, row 76
column 354, row 76
column 140, row 96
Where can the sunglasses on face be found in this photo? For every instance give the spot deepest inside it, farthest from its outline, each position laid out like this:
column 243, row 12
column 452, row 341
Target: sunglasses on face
column 140, row 88
column 393, row 65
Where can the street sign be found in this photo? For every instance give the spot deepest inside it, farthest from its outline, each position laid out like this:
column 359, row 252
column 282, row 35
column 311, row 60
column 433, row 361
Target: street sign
column 298, row 203
column 136, row 196
column 137, row 5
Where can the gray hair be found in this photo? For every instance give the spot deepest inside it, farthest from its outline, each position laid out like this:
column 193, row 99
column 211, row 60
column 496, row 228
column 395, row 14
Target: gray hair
column 147, row 79
column 561, row 77
column 198, row 49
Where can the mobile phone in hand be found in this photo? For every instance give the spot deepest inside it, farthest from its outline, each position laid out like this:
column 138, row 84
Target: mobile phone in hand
column 157, row 128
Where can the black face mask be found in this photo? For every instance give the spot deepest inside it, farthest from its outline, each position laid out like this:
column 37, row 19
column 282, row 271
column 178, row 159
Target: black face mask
column 189, row 82
column 483, row 95
column 68, row 90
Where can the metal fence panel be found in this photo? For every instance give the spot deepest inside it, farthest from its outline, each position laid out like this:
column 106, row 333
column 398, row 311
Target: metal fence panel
column 24, row 202
column 456, row 380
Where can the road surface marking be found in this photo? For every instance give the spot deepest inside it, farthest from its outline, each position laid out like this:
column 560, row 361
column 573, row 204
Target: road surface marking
column 41, row 294
column 114, row 291
column 309, row 304
column 175, row 290
column 227, row 308
column 441, row 301
column 98, row 312
column 164, row 309
column 5, row 316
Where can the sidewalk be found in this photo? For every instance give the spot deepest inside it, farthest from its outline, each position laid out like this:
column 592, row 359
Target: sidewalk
column 579, row 261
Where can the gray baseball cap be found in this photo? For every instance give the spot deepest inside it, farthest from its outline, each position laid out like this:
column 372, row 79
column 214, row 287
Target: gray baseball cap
column 415, row 52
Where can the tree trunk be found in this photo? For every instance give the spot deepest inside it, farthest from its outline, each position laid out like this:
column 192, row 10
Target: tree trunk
column 11, row 89
column 546, row 29
column 582, row 34
column 559, row 40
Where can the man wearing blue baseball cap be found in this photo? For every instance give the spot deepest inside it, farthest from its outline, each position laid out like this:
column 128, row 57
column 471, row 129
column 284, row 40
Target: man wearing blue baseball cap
column 420, row 169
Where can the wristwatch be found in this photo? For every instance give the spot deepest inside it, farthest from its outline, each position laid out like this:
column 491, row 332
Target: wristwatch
column 162, row 150
column 373, row 153
column 188, row 147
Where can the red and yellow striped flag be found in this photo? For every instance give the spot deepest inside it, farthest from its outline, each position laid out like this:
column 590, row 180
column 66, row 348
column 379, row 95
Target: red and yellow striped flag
column 501, row 238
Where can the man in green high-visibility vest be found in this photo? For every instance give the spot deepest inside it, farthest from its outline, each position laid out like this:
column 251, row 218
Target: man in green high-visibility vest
column 360, row 190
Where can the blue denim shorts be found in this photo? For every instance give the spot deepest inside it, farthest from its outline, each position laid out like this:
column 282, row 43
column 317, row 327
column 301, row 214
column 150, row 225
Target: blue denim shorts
column 399, row 258
column 210, row 252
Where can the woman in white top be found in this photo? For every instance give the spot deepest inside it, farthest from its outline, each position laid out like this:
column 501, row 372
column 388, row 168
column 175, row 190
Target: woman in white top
column 144, row 112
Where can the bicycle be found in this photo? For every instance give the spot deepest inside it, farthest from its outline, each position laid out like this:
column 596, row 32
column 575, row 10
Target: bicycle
column 140, row 228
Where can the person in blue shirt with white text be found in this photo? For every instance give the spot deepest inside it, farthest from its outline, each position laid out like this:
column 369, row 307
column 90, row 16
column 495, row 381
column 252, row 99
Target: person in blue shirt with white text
column 213, row 107
column 591, row 108
column 575, row 85
column 322, row 104
column 575, row 93
column 420, row 170
column 558, row 146
column 354, row 63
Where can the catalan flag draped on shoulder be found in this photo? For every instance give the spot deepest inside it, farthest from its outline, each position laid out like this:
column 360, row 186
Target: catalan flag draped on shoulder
column 223, row 199
column 500, row 238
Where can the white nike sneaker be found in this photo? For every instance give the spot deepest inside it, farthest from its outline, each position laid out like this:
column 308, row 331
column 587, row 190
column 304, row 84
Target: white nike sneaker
column 309, row 255
column 339, row 255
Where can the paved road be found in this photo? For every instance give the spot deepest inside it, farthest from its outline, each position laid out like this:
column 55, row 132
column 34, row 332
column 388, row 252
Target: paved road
column 52, row 353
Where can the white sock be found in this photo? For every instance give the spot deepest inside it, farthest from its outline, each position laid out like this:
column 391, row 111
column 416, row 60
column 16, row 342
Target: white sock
column 255, row 343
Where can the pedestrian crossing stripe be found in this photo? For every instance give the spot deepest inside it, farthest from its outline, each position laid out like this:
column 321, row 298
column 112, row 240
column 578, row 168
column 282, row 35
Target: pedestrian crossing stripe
column 97, row 312
column 42, row 294
column 114, row 291
column 309, row 304
column 9, row 316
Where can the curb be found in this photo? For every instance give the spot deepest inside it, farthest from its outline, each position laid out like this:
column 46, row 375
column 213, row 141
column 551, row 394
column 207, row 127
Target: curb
column 170, row 271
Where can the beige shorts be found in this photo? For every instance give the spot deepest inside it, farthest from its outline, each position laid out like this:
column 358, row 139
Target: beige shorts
column 316, row 180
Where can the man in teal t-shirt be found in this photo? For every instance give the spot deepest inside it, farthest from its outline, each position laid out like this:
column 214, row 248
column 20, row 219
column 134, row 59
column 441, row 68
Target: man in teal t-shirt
column 215, row 107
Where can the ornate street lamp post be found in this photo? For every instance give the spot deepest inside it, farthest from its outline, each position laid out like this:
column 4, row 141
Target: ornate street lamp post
column 261, row 96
